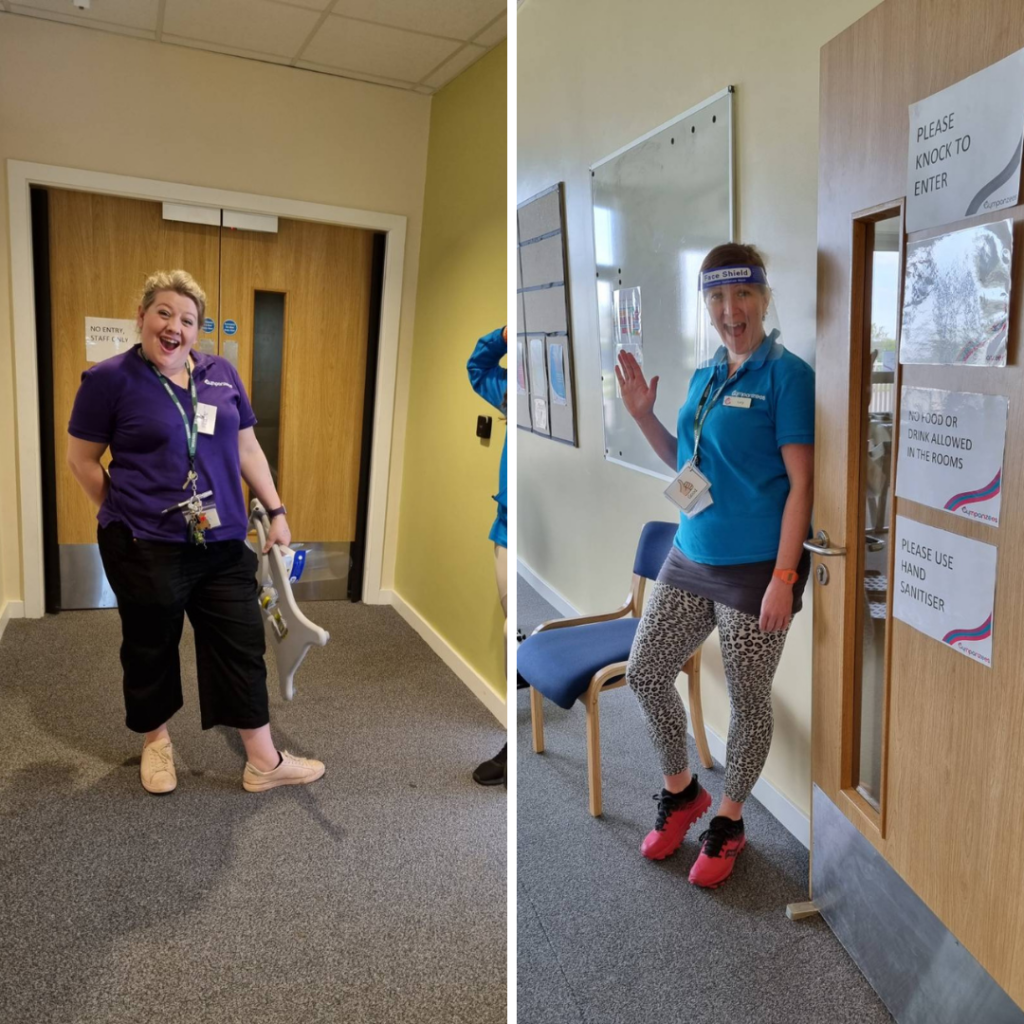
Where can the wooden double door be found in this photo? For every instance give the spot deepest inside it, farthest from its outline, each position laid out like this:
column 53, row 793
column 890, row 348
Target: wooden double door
column 917, row 749
column 291, row 308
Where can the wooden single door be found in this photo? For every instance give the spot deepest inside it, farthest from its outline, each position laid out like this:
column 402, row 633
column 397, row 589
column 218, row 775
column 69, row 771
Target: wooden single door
column 919, row 748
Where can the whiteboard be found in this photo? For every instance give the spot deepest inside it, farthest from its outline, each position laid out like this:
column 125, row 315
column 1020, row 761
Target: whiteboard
column 659, row 205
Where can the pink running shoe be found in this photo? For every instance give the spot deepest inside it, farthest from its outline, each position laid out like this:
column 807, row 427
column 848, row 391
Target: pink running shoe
column 722, row 842
column 675, row 816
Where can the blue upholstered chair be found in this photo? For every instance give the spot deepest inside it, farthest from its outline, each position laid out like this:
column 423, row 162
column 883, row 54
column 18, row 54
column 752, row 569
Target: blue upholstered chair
column 567, row 660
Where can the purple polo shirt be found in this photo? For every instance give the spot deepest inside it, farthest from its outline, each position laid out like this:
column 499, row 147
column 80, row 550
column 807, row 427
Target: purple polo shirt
column 121, row 403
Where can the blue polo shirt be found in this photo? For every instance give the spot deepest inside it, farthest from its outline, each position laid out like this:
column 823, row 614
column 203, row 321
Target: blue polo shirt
column 771, row 404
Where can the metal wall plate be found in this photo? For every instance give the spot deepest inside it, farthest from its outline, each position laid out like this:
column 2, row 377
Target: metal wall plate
column 916, row 965
column 83, row 583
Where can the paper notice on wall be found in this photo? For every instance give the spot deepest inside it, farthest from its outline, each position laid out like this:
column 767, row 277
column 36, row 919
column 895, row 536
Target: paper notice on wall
column 627, row 311
column 956, row 299
column 945, row 587
column 538, row 370
column 105, row 338
column 556, row 373
column 521, row 385
column 951, row 451
column 540, row 415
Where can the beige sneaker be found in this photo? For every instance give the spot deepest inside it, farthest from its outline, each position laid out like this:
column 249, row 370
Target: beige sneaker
column 157, row 768
column 292, row 771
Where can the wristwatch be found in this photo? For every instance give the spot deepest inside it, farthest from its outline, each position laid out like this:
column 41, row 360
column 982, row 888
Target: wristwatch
column 279, row 511
column 789, row 576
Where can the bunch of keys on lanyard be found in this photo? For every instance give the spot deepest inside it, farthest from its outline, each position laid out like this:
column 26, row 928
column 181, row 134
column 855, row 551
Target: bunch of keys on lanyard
column 198, row 518
column 198, row 523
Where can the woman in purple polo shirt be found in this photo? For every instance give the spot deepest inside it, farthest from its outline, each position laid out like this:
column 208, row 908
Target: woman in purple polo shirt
column 172, row 529
column 744, row 451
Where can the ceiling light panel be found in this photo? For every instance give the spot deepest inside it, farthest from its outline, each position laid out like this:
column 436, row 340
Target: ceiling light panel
column 462, row 60
column 387, row 52
column 459, row 19
column 255, row 25
column 138, row 14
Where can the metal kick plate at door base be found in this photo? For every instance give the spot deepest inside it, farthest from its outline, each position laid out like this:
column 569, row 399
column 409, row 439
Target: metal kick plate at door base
column 821, row 574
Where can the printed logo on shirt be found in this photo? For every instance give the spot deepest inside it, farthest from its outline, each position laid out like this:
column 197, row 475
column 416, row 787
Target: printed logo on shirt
column 219, row 383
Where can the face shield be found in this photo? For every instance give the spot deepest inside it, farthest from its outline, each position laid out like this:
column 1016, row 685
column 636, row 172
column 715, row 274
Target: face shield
column 736, row 311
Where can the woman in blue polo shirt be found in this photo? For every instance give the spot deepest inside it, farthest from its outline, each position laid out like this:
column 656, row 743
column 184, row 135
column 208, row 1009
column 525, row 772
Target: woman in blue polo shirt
column 744, row 448
column 490, row 382
column 172, row 529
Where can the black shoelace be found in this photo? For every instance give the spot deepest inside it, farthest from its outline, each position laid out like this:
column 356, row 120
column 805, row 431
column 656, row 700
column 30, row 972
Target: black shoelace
column 717, row 834
column 666, row 805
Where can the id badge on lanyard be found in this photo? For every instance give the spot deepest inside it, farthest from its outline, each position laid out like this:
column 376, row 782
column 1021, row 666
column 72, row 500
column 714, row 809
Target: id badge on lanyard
column 691, row 489
column 199, row 516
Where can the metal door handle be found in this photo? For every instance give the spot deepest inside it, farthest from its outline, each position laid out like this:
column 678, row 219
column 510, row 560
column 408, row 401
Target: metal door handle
column 821, row 545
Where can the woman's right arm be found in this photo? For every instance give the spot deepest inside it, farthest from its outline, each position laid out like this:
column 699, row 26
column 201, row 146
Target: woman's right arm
column 84, row 463
column 639, row 397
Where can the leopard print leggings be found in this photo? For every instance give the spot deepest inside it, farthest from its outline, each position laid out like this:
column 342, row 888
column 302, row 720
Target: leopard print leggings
column 675, row 623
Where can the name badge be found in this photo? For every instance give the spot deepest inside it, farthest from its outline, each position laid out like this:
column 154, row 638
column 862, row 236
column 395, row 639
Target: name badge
column 736, row 402
column 690, row 490
column 206, row 418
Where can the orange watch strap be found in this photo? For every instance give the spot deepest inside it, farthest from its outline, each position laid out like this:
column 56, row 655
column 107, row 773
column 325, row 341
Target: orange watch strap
column 789, row 576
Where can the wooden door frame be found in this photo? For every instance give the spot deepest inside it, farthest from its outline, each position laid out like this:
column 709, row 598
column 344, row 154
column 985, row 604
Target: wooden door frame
column 21, row 176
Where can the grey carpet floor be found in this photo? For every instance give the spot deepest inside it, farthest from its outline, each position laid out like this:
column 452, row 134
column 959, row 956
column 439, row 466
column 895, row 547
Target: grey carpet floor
column 377, row 894
column 606, row 937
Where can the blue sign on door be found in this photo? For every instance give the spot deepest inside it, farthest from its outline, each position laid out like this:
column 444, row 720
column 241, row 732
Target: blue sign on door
column 209, row 326
column 230, row 327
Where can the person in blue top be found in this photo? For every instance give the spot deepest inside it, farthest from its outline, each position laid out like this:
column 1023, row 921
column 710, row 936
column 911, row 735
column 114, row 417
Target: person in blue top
column 744, row 451
column 490, row 382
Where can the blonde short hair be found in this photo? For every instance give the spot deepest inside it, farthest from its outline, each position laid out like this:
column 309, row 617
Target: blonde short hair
column 179, row 281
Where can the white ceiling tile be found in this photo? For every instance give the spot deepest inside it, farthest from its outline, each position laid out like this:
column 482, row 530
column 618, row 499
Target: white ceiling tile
column 359, row 75
column 495, row 34
column 460, row 19
column 462, row 60
column 231, row 51
column 120, row 30
column 257, row 25
column 388, row 52
column 137, row 14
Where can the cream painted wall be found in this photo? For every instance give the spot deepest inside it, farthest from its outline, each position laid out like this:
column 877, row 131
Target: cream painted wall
column 445, row 567
column 592, row 79
column 79, row 98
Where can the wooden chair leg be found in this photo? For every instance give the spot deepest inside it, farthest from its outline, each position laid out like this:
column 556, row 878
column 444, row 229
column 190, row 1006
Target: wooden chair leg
column 537, row 720
column 594, row 755
column 692, row 670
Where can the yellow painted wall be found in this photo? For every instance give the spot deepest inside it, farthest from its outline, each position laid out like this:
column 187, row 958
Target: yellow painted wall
column 80, row 98
column 445, row 564
column 591, row 79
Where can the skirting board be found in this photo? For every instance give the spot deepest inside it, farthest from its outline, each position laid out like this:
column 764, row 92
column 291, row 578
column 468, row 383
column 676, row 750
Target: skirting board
column 552, row 596
column 10, row 610
column 776, row 803
column 437, row 643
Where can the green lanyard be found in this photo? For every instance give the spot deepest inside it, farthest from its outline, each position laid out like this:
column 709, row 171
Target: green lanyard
column 191, row 432
column 698, row 419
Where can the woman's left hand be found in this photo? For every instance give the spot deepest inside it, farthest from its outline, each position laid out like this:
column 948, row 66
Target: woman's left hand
column 279, row 533
column 776, row 606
